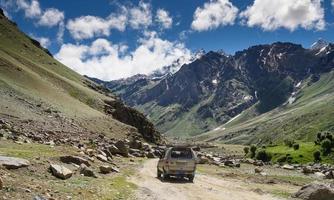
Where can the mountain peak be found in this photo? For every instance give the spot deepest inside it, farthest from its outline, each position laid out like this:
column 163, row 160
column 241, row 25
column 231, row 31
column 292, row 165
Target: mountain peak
column 321, row 43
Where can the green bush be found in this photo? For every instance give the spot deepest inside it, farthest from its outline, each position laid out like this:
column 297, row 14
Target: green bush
column 253, row 151
column 295, row 146
column 288, row 142
column 326, row 146
column 246, row 150
column 316, row 156
column 264, row 156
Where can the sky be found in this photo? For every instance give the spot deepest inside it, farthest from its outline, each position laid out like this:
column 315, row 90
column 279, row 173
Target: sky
column 113, row 39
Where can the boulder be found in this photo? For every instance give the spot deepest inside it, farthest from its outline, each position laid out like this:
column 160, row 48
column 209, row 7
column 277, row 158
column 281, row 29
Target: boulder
column 86, row 171
column 320, row 175
column 136, row 144
column 60, row 171
column 102, row 158
column 1, row 183
column 329, row 175
column 13, row 163
column 307, row 170
column 123, row 148
column 74, row 159
column 106, row 169
column 315, row 191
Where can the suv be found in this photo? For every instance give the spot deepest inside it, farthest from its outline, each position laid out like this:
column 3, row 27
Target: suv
column 179, row 162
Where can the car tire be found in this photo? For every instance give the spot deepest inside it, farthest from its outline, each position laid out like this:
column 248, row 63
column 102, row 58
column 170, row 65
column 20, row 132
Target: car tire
column 166, row 176
column 191, row 178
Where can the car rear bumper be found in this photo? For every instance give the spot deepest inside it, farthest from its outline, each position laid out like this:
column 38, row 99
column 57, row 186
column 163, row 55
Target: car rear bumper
column 179, row 172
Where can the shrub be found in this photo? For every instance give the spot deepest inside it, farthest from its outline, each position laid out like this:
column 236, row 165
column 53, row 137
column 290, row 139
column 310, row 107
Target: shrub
column 264, row 156
column 295, row 146
column 253, row 151
column 326, row 146
column 281, row 159
column 246, row 150
column 288, row 142
column 316, row 156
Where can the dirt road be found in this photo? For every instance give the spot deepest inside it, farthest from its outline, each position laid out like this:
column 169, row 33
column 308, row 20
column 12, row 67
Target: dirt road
column 204, row 187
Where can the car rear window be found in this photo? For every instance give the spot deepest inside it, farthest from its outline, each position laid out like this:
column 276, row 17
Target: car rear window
column 181, row 153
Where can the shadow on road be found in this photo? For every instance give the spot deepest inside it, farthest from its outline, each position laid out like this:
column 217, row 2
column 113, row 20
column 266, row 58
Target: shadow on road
column 176, row 180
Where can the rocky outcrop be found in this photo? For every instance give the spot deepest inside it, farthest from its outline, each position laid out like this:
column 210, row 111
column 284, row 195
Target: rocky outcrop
column 13, row 163
column 133, row 118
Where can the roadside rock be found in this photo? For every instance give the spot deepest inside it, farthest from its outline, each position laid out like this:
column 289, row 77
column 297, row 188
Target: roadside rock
column 86, row 171
column 113, row 149
column 13, row 163
column 74, row 159
column 307, row 170
column 258, row 170
column 60, row 171
column 315, row 191
column 107, row 169
column 288, row 167
column 150, row 155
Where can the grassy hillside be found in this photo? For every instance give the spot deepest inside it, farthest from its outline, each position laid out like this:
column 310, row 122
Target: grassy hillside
column 34, row 86
column 310, row 113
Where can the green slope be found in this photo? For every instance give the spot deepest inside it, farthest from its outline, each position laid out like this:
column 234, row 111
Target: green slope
column 32, row 82
column 312, row 112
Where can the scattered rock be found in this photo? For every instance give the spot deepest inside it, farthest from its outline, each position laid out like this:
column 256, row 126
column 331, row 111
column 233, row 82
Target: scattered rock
column 74, row 159
column 315, row 191
column 113, row 149
column 86, row 171
column 1, row 183
column 136, row 144
column 39, row 198
column 102, row 158
column 150, row 155
column 60, row 171
column 13, row 163
column 307, row 170
column 107, row 169
column 320, row 175
column 288, row 167
column 258, row 170
column 329, row 175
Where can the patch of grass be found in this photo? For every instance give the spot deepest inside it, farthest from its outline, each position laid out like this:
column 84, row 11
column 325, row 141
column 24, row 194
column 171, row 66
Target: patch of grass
column 303, row 155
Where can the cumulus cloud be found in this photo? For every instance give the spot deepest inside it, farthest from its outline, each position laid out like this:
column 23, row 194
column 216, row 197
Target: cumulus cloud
column 31, row 9
column 140, row 16
column 108, row 61
column 51, row 17
column 164, row 19
column 89, row 26
column 271, row 15
column 214, row 14
column 45, row 42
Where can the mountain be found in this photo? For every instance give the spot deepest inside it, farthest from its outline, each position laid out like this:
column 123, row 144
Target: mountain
column 215, row 88
column 319, row 44
column 46, row 100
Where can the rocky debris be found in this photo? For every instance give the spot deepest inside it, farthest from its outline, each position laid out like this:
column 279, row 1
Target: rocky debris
column 136, row 144
column 1, row 183
column 38, row 197
column 231, row 163
column 60, row 171
column 307, row 170
column 113, row 149
column 106, row 169
column 13, row 163
column 150, row 155
column 329, row 175
column 74, row 159
column 86, row 171
column 320, row 175
column 316, row 191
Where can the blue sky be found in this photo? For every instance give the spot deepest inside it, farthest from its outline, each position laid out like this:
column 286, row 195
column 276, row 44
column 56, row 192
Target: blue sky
column 111, row 39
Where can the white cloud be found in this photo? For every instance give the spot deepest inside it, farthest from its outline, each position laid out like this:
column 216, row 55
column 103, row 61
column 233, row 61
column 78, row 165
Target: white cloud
column 108, row 61
column 163, row 18
column 214, row 14
column 45, row 42
column 51, row 17
column 31, row 10
column 141, row 16
column 89, row 26
column 333, row 3
column 271, row 15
